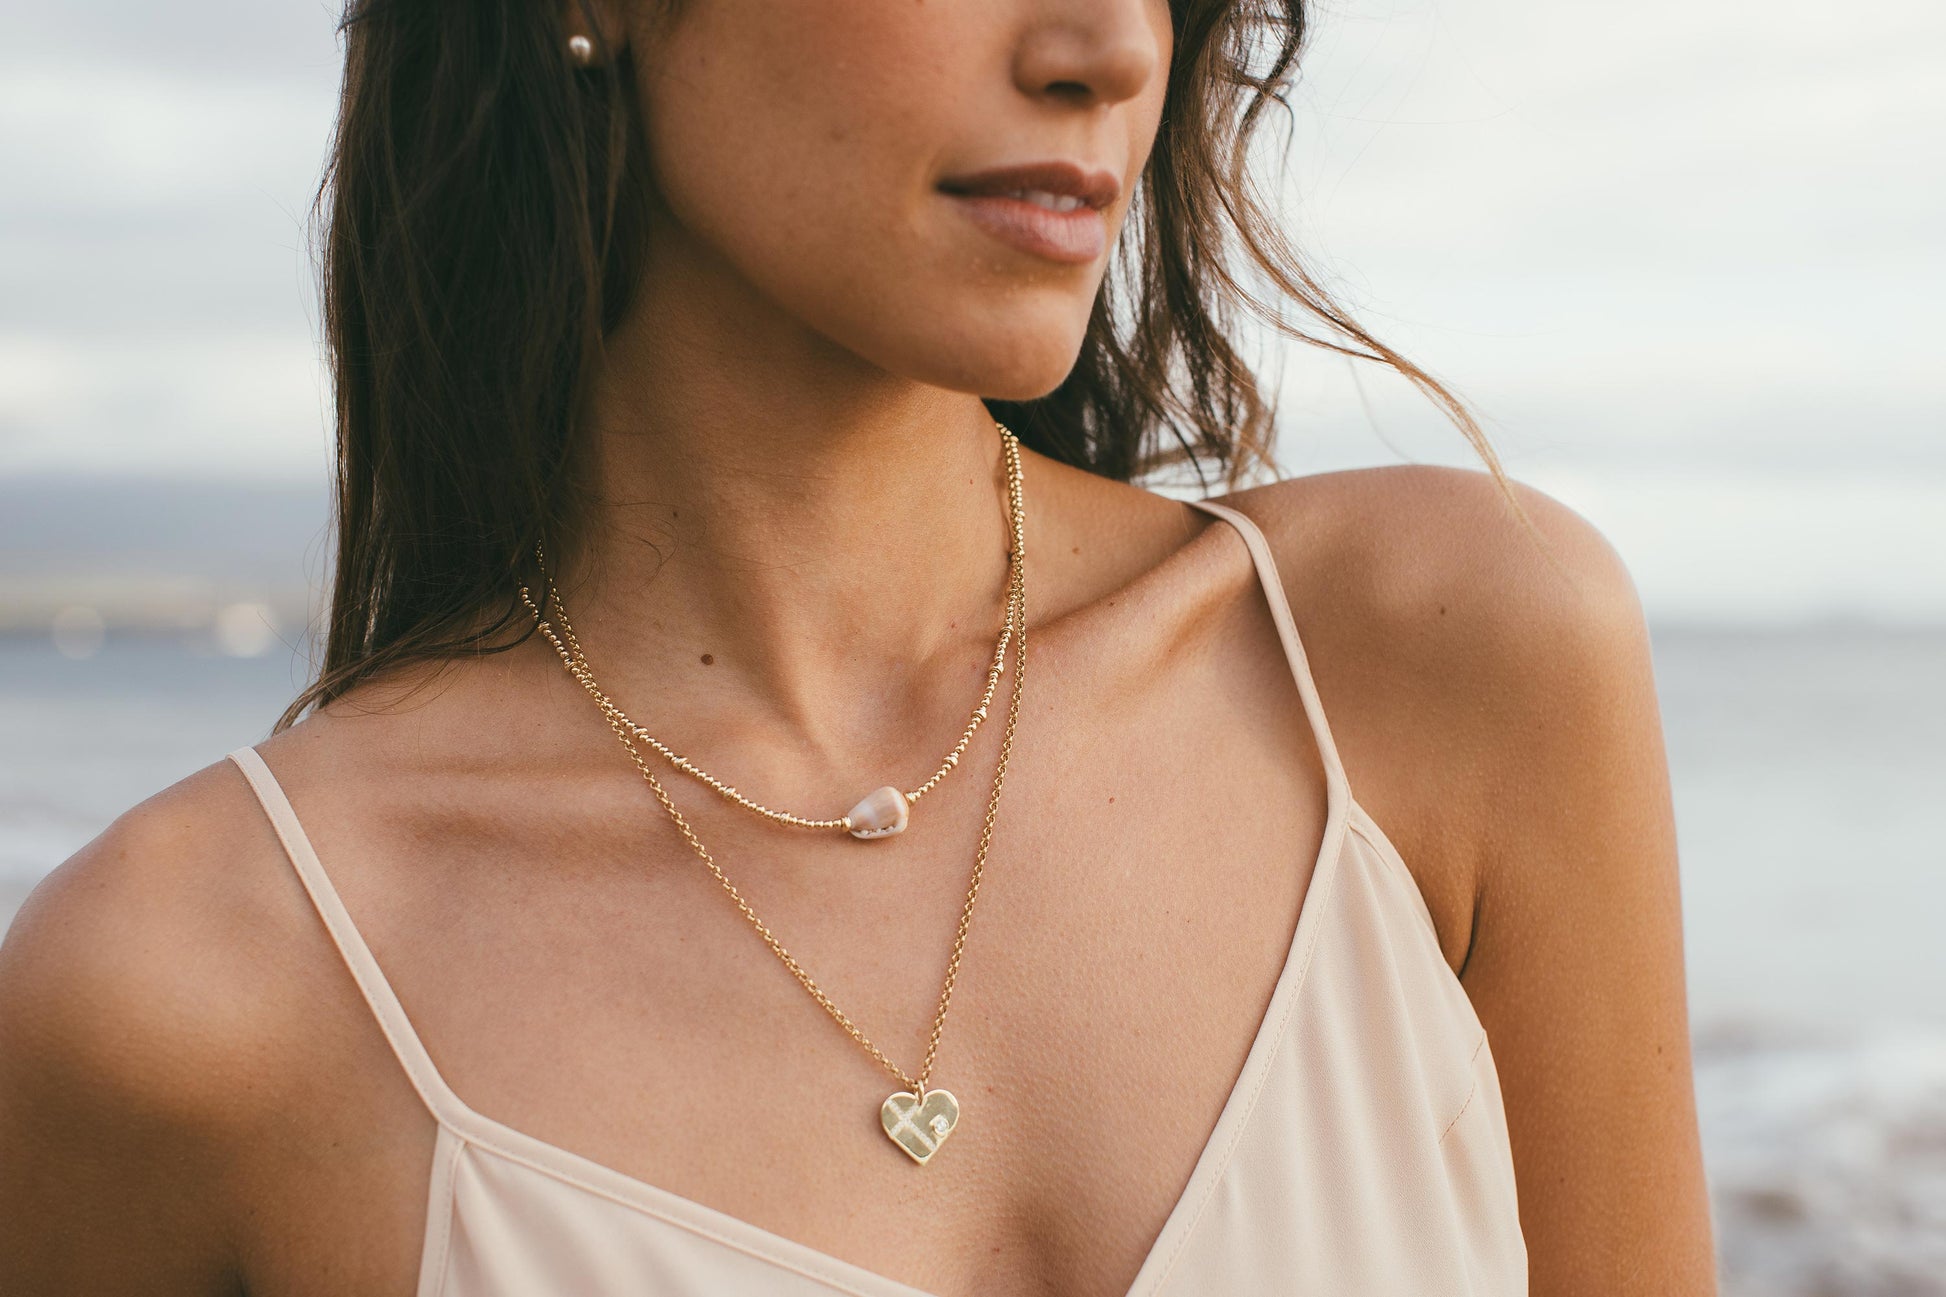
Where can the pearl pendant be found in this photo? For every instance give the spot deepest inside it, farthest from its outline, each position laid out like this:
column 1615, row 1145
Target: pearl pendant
column 881, row 813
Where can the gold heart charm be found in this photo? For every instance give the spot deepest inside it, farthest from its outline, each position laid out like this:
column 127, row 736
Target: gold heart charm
column 919, row 1126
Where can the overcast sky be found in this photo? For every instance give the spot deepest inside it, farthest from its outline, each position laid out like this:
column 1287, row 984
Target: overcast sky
column 1687, row 257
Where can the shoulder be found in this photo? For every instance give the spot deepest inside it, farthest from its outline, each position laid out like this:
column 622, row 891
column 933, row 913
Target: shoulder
column 1491, row 690
column 142, row 988
column 1444, row 559
column 1476, row 659
column 1433, row 577
column 140, row 938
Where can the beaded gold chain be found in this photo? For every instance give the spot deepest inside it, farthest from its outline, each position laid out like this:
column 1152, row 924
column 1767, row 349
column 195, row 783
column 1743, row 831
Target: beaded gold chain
column 882, row 812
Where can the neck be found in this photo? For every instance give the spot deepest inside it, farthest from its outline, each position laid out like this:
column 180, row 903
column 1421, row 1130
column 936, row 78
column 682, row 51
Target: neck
column 809, row 552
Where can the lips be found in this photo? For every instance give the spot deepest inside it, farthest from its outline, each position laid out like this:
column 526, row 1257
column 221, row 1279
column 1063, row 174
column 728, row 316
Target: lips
column 1093, row 187
column 1049, row 209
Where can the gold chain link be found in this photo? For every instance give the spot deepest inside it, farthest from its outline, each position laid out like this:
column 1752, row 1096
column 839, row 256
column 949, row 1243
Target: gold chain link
column 1016, row 630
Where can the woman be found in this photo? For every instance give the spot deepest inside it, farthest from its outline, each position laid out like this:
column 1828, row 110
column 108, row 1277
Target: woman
column 680, row 354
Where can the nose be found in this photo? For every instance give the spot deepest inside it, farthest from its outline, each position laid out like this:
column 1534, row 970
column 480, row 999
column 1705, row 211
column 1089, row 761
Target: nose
column 1092, row 51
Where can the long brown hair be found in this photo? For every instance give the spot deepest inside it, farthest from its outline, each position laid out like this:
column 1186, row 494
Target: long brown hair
column 483, row 203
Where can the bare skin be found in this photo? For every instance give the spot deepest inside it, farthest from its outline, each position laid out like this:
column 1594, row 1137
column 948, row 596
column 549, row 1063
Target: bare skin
column 194, row 1100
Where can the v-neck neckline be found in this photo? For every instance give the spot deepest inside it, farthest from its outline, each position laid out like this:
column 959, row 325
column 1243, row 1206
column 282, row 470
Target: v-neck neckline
column 558, row 1163
column 476, row 1129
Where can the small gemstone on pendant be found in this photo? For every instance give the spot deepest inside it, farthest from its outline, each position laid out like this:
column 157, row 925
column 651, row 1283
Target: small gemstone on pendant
column 882, row 813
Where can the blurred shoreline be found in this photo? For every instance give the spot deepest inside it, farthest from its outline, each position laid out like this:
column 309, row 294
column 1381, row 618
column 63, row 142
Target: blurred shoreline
column 232, row 566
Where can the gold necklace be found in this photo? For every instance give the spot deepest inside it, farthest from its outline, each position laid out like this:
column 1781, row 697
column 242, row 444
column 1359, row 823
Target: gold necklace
column 880, row 813
column 917, row 1119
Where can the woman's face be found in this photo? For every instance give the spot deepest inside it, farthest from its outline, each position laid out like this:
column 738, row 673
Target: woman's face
column 805, row 151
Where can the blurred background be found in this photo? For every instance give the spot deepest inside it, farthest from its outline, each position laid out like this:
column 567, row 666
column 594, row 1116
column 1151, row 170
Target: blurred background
column 1686, row 257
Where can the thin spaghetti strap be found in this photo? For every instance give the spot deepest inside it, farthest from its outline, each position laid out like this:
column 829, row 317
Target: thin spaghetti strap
column 378, row 993
column 1280, row 612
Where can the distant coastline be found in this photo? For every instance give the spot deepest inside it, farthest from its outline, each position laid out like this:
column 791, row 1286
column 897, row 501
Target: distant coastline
column 230, row 567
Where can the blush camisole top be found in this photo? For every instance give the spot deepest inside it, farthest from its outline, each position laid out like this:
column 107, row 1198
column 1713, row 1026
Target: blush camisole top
column 1362, row 1151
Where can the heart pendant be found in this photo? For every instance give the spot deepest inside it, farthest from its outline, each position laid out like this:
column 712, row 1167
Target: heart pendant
column 919, row 1126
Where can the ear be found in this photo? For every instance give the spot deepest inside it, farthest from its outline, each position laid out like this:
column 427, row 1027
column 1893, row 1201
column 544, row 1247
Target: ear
column 601, row 21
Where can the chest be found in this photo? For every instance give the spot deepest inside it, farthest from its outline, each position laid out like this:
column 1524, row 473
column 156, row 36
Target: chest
column 578, row 974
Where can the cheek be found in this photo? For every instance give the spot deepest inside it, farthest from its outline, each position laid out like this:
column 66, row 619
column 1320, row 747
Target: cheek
column 782, row 102
column 797, row 142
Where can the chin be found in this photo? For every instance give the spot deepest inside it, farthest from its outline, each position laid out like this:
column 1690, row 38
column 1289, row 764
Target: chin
column 1002, row 389
column 1014, row 379
column 1006, row 360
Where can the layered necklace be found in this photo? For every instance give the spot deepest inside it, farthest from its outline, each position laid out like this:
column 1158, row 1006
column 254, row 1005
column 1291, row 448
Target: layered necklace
column 917, row 1118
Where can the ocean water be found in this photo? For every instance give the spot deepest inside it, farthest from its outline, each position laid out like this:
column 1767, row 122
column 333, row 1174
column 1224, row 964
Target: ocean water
column 1809, row 768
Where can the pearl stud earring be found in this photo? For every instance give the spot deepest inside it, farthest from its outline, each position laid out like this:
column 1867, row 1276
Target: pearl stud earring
column 581, row 49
